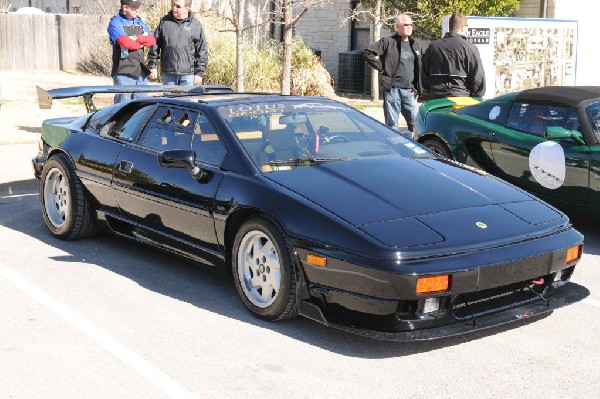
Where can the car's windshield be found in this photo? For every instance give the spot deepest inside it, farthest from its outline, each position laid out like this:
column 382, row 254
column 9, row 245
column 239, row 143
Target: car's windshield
column 593, row 114
column 282, row 135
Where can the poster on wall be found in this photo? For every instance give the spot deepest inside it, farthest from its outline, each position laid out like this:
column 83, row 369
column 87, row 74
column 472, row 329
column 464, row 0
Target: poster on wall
column 522, row 53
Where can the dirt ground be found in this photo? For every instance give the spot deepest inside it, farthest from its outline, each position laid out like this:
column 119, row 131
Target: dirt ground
column 21, row 118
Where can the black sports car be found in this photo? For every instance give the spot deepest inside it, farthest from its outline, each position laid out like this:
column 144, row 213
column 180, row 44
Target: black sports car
column 314, row 209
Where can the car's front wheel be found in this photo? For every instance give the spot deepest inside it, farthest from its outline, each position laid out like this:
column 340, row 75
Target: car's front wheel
column 438, row 147
column 65, row 207
column 263, row 272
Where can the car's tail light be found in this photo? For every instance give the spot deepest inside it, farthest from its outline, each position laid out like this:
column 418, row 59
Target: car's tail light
column 573, row 254
column 429, row 284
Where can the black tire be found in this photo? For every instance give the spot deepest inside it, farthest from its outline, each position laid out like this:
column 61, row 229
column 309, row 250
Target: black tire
column 262, row 269
column 65, row 207
column 438, row 147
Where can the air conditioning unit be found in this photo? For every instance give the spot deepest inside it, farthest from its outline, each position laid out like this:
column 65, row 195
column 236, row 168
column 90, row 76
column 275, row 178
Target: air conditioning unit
column 351, row 72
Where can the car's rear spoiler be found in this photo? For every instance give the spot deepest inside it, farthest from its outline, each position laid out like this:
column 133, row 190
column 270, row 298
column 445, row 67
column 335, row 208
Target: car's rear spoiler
column 454, row 102
column 45, row 97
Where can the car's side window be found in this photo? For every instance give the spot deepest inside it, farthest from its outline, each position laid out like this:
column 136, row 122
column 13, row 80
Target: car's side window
column 169, row 129
column 529, row 118
column 126, row 124
column 536, row 118
column 206, row 142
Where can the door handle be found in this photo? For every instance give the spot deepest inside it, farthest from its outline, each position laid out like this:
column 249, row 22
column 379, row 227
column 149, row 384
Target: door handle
column 125, row 166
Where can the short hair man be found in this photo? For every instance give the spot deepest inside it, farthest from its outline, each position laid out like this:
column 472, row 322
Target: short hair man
column 452, row 66
column 398, row 58
column 181, row 47
column 129, row 35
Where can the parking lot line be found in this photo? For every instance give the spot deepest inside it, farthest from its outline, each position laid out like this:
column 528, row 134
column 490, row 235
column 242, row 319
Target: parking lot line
column 162, row 381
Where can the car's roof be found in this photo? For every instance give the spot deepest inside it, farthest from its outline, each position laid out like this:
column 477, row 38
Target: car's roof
column 219, row 99
column 566, row 95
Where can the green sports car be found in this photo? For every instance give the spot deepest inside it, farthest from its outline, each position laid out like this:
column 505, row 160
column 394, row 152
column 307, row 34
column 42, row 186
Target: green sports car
column 544, row 140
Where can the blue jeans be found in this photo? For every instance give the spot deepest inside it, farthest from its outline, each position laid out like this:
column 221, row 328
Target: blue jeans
column 181, row 80
column 400, row 101
column 124, row 80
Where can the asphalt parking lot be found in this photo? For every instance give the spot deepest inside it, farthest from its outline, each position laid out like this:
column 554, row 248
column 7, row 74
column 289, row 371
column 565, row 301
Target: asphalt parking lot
column 106, row 318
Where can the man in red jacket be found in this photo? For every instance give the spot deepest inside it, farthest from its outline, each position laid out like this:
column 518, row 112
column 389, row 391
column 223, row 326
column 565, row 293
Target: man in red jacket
column 129, row 35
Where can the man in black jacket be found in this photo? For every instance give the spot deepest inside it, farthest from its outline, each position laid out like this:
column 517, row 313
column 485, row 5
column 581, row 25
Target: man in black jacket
column 398, row 58
column 181, row 47
column 452, row 66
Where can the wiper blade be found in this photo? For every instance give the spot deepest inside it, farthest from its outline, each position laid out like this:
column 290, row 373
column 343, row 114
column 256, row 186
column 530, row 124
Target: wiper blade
column 305, row 161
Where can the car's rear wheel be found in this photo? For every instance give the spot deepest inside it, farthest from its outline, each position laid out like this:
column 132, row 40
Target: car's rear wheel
column 264, row 275
column 438, row 147
column 65, row 207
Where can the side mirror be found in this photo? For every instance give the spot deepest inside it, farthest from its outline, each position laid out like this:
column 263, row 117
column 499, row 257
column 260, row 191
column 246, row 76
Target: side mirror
column 560, row 133
column 177, row 159
column 183, row 159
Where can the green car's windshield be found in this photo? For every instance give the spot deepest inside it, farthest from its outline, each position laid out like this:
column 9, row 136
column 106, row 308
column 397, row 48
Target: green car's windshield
column 593, row 115
column 281, row 135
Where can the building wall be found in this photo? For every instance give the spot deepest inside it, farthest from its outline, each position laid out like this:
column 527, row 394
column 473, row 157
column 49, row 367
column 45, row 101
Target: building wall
column 535, row 9
column 321, row 29
column 585, row 12
column 51, row 6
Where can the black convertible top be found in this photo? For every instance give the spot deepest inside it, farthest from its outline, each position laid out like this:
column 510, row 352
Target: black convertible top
column 566, row 95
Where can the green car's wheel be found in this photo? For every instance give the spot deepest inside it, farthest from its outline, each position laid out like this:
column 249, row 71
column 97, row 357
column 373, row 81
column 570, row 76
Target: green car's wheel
column 438, row 147
column 263, row 272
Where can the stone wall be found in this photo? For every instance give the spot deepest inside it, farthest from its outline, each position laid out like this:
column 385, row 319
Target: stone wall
column 534, row 9
column 322, row 30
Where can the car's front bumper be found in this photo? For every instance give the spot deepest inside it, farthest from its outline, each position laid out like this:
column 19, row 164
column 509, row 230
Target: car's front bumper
column 487, row 288
column 563, row 296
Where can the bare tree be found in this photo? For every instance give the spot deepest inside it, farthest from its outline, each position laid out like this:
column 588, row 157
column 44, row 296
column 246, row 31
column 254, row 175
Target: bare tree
column 234, row 12
column 290, row 20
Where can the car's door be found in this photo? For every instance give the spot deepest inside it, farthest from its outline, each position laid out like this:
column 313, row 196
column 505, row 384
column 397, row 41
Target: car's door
column 555, row 169
column 170, row 201
column 95, row 154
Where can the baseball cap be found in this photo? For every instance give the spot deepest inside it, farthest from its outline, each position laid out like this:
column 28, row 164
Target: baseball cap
column 131, row 3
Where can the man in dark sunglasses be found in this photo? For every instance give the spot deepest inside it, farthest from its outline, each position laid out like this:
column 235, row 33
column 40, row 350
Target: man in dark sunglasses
column 180, row 46
column 398, row 58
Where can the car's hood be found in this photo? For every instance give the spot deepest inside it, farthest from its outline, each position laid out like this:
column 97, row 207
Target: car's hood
column 405, row 202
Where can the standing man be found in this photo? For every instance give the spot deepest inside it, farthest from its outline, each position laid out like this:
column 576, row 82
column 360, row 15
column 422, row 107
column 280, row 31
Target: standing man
column 181, row 46
column 452, row 66
column 129, row 35
column 398, row 58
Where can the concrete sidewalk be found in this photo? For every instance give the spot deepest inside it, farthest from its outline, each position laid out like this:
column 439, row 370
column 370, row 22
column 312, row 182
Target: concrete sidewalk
column 16, row 170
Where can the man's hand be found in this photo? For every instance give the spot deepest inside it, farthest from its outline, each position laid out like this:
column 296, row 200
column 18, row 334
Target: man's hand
column 153, row 73
column 197, row 80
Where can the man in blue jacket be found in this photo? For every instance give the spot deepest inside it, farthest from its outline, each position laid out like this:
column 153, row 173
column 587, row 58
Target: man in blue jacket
column 181, row 47
column 129, row 35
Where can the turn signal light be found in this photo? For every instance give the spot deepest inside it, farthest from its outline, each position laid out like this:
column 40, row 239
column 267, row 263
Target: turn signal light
column 430, row 284
column 316, row 260
column 573, row 254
